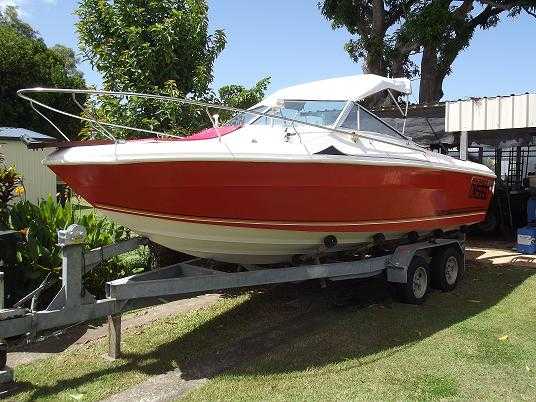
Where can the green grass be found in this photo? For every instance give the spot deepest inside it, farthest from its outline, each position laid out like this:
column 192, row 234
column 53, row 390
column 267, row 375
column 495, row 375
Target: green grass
column 350, row 342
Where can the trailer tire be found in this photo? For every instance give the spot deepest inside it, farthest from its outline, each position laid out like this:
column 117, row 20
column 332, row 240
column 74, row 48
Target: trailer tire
column 414, row 291
column 447, row 269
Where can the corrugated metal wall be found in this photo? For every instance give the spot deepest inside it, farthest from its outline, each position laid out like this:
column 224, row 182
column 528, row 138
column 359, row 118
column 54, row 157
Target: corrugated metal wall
column 498, row 113
column 39, row 181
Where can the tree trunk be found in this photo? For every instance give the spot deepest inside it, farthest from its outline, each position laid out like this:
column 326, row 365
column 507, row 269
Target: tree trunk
column 374, row 60
column 432, row 77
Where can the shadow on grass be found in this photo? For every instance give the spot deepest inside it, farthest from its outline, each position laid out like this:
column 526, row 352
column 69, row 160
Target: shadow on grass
column 293, row 327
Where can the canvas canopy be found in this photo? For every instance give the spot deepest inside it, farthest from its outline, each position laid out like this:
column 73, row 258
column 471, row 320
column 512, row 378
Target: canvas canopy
column 351, row 88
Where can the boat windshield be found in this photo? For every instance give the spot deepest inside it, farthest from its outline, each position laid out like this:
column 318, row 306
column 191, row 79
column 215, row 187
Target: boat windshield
column 244, row 118
column 323, row 113
column 360, row 119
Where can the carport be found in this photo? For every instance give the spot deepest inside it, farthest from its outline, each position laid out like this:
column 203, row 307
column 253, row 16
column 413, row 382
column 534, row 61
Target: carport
column 496, row 131
column 499, row 132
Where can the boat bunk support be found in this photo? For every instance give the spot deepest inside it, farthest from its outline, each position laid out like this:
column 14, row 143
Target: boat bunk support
column 73, row 304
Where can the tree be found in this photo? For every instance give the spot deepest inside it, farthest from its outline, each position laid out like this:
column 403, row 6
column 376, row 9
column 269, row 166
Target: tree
column 154, row 46
column 443, row 31
column 142, row 44
column 241, row 97
column 25, row 61
column 389, row 33
column 150, row 46
column 10, row 18
column 376, row 43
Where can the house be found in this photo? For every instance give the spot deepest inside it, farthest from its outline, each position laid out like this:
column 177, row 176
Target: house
column 38, row 180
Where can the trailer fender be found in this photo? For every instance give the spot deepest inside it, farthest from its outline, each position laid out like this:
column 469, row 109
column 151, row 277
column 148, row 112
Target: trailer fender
column 397, row 264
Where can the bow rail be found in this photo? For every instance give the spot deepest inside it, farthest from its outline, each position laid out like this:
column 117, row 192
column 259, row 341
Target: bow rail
column 25, row 94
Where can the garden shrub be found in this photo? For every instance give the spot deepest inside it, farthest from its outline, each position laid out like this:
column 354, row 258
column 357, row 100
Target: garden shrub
column 41, row 255
column 10, row 187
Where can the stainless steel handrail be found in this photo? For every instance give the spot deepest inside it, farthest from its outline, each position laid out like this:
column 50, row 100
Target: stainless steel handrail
column 22, row 93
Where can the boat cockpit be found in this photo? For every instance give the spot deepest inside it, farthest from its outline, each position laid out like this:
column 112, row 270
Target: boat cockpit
column 341, row 115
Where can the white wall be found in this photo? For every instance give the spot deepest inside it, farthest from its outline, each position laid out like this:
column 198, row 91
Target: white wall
column 39, row 181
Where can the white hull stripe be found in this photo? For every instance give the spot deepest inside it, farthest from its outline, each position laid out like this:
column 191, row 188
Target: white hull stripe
column 232, row 222
column 386, row 161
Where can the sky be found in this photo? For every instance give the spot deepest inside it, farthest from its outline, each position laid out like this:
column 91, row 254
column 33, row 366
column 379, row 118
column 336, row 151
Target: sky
column 291, row 42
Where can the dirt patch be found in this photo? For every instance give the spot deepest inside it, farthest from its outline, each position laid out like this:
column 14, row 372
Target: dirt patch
column 160, row 388
column 498, row 252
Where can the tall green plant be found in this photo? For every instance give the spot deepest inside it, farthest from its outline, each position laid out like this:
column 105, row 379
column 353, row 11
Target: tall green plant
column 40, row 254
column 10, row 186
column 240, row 97
column 150, row 46
column 9, row 181
column 26, row 61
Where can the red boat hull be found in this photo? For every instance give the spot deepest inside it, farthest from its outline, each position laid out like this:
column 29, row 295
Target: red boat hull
column 312, row 197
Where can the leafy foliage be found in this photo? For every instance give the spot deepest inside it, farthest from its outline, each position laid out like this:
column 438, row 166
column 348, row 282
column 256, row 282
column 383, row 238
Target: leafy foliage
column 389, row 33
column 376, row 43
column 140, row 45
column 240, row 97
column 149, row 114
column 9, row 182
column 40, row 253
column 150, row 46
column 10, row 18
column 26, row 61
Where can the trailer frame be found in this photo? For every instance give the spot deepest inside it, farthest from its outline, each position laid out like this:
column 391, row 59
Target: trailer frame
column 73, row 304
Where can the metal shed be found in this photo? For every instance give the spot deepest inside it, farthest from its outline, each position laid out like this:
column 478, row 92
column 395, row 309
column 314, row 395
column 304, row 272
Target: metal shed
column 496, row 131
column 505, row 125
column 39, row 181
column 496, row 113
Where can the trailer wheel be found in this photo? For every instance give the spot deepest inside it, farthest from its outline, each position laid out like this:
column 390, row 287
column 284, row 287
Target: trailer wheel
column 447, row 269
column 415, row 289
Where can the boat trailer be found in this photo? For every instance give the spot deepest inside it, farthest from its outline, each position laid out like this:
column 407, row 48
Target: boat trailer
column 409, row 267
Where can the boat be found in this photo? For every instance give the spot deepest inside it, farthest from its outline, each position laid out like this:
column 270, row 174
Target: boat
column 308, row 163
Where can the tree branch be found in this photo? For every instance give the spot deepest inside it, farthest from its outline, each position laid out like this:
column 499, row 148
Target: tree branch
column 503, row 7
column 529, row 12
column 485, row 15
column 395, row 13
column 465, row 8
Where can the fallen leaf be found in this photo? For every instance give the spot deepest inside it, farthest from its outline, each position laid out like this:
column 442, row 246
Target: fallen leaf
column 503, row 338
column 473, row 301
column 527, row 368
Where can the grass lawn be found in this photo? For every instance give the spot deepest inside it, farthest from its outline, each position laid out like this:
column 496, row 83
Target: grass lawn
column 351, row 341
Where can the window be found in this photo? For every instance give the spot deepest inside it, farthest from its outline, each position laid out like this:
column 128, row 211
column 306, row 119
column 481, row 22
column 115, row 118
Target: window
column 322, row 113
column 362, row 120
column 243, row 118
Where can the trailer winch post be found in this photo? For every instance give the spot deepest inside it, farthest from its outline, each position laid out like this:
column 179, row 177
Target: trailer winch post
column 73, row 266
column 71, row 274
column 6, row 373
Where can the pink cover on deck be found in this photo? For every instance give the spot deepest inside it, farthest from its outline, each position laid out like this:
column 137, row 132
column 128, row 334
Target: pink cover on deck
column 209, row 133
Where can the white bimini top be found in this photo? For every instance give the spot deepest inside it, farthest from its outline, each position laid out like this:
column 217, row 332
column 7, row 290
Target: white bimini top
column 351, row 88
